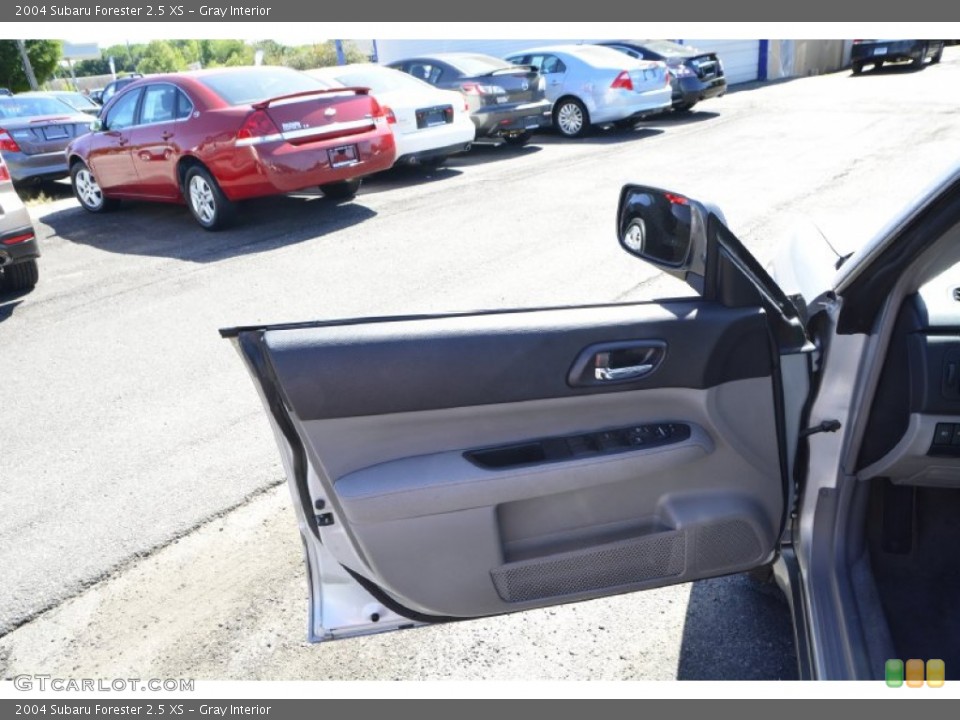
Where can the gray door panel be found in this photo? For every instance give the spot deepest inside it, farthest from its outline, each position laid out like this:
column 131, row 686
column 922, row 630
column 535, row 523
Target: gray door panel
column 454, row 471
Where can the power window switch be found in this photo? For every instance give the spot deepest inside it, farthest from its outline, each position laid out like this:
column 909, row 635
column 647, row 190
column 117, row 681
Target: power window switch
column 944, row 434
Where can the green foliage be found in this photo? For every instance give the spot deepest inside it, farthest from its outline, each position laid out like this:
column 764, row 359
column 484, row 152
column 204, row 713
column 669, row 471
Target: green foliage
column 175, row 55
column 44, row 57
column 161, row 56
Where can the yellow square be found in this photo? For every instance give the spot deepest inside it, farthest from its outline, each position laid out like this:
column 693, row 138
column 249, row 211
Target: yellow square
column 936, row 673
column 914, row 673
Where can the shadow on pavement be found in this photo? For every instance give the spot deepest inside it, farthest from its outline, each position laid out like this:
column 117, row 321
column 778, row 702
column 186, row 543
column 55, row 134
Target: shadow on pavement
column 888, row 69
column 679, row 119
column 163, row 230
column 9, row 302
column 43, row 191
column 601, row 136
column 487, row 151
column 407, row 175
column 737, row 628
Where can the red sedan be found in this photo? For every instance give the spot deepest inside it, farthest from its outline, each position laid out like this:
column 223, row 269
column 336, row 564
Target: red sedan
column 214, row 137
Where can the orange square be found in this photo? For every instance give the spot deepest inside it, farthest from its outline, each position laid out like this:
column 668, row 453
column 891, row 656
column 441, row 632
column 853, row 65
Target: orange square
column 936, row 673
column 914, row 673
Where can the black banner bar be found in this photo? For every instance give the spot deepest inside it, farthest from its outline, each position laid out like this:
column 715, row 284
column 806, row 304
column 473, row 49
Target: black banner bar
column 218, row 11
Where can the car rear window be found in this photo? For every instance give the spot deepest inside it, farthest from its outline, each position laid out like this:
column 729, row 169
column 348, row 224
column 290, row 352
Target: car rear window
column 667, row 48
column 250, row 86
column 471, row 65
column 598, row 56
column 21, row 107
column 381, row 81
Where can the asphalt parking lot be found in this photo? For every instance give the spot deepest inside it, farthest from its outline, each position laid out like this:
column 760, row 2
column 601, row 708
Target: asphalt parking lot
column 147, row 529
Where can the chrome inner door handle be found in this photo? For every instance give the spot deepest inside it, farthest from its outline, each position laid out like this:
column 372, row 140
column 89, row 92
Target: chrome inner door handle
column 604, row 372
column 616, row 362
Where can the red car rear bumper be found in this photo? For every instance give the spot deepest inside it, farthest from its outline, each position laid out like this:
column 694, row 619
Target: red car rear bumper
column 280, row 167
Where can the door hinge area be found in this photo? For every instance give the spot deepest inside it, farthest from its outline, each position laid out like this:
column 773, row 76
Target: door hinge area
column 825, row 426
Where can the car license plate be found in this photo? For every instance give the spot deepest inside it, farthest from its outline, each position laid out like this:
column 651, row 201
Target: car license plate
column 55, row 132
column 343, row 155
column 432, row 117
column 880, row 51
column 502, row 98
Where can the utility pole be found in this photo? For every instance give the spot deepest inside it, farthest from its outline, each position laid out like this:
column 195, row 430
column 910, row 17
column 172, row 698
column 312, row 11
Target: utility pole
column 27, row 67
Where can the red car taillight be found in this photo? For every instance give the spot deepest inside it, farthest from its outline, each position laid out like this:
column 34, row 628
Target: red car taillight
column 622, row 82
column 668, row 76
column 382, row 111
column 258, row 128
column 18, row 239
column 4, row 173
column 7, row 143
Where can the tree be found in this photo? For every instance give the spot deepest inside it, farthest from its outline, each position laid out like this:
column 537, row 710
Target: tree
column 44, row 57
column 160, row 57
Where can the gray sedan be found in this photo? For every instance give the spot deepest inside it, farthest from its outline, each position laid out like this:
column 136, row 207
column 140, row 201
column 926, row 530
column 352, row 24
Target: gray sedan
column 593, row 85
column 34, row 132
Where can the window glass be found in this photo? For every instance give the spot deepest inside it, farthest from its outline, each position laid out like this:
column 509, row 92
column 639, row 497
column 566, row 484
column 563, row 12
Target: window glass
column 184, row 106
column 159, row 104
column 241, row 87
column 426, row 71
column 552, row 64
column 123, row 113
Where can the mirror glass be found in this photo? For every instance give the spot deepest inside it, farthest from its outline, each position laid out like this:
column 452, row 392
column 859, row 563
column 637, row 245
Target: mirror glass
column 656, row 225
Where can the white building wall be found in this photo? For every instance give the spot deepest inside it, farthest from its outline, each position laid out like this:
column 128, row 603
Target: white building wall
column 740, row 58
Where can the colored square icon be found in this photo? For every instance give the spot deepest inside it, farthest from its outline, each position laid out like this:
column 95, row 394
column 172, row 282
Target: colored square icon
column 893, row 672
column 936, row 673
column 914, row 673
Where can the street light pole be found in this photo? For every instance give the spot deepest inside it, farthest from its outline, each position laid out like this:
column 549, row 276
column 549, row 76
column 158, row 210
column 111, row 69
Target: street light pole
column 27, row 67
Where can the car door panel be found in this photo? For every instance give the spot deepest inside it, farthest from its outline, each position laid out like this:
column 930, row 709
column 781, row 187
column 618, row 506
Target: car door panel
column 387, row 414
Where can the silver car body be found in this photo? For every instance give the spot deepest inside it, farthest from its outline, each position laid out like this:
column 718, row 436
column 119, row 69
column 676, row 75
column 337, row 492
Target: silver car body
column 588, row 73
column 34, row 132
column 76, row 100
column 18, row 242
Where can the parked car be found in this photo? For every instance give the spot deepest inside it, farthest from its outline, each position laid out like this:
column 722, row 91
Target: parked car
column 592, row 85
column 115, row 86
column 211, row 138
column 18, row 242
column 878, row 52
column 516, row 460
column 5, row 92
column 34, row 131
column 505, row 100
column 429, row 125
column 695, row 75
column 75, row 100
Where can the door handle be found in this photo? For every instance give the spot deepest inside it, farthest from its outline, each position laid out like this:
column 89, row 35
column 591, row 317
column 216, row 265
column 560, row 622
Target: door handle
column 166, row 135
column 616, row 362
column 604, row 372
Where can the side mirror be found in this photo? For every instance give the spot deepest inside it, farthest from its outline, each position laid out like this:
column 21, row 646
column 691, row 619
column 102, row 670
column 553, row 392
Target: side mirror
column 97, row 125
column 666, row 229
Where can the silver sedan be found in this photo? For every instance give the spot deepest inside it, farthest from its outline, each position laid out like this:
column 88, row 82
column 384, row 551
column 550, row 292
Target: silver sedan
column 593, row 85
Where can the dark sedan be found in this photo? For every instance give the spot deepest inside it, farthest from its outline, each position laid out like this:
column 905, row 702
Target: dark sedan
column 878, row 52
column 505, row 100
column 34, row 131
column 696, row 75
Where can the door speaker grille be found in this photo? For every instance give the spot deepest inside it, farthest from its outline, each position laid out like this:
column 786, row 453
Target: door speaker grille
column 624, row 563
column 726, row 544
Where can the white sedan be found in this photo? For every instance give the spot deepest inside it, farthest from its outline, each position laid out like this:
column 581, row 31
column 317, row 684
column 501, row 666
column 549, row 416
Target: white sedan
column 429, row 124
